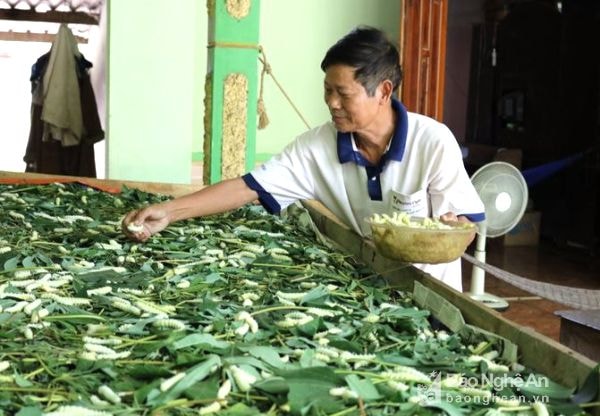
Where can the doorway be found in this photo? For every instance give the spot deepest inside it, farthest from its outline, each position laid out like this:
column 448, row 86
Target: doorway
column 535, row 86
column 27, row 30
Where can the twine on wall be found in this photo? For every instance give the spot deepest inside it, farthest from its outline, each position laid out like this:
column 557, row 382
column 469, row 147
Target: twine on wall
column 235, row 109
column 263, row 118
column 238, row 9
column 235, row 102
column 266, row 69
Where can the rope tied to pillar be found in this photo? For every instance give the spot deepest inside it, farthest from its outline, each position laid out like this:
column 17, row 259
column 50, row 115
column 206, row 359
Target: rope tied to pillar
column 267, row 69
column 263, row 119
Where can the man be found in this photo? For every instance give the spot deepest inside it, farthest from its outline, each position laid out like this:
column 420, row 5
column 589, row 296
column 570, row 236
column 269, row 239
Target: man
column 372, row 157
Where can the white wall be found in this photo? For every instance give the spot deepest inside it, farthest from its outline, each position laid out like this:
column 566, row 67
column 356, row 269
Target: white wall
column 16, row 59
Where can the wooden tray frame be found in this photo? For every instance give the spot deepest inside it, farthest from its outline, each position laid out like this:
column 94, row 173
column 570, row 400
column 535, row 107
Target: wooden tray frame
column 536, row 351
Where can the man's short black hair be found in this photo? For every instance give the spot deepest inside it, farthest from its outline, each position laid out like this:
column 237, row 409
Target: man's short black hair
column 368, row 50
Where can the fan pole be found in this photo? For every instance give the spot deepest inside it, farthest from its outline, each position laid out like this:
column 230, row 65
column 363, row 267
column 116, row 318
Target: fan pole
column 503, row 191
column 478, row 274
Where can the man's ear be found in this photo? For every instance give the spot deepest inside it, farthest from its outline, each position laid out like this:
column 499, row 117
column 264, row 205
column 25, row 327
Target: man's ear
column 387, row 89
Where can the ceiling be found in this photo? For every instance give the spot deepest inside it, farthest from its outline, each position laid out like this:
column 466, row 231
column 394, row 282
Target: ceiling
column 37, row 20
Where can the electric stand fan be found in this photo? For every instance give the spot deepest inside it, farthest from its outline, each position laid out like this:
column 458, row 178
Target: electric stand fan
column 503, row 190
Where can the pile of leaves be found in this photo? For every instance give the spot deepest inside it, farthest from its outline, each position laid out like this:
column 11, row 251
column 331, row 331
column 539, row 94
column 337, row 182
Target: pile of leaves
column 238, row 314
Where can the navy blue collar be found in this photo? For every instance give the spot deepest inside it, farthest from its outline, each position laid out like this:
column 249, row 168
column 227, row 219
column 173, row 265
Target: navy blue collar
column 396, row 150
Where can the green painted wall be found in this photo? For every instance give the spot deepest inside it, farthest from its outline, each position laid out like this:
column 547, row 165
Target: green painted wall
column 156, row 69
column 157, row 65
column 296, row 36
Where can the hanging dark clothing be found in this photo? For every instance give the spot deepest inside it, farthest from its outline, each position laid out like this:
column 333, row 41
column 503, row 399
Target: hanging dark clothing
column 46, row 153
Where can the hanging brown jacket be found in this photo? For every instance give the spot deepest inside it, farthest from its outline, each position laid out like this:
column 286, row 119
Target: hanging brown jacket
column 47, row 153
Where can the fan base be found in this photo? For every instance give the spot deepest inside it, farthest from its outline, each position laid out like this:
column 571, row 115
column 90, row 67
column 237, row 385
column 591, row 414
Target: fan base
column 491, row 301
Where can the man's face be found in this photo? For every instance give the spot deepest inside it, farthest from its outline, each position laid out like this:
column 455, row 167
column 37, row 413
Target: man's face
column 351, row 108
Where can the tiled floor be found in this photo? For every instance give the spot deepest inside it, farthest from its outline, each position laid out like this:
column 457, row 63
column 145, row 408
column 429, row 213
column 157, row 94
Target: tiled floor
column 545, row 262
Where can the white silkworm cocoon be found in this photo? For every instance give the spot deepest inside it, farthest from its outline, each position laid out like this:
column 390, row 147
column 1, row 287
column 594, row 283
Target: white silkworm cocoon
column 99, row 291
column 98, row 348
column 32, row 306
column 76, row 411
column 17, row 307
column 214, row 407
column 109, row 394
column 101, row 341
column 171, row 381
column 224, row 390
column 169, row 324
column 135, row 228
column 243, row 380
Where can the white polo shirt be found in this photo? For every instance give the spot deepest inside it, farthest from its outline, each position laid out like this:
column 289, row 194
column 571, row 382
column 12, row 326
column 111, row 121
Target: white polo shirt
column 422, row 173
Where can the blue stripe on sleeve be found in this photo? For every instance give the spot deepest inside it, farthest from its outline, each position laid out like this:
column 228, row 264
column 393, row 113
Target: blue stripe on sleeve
column 474, row 217
column 265, row 198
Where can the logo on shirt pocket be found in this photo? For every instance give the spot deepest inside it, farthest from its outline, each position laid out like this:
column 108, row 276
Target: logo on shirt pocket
column 414, row 204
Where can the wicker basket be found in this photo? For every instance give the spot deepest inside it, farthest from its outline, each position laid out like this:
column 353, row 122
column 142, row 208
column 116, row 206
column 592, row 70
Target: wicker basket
column 422, row 245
